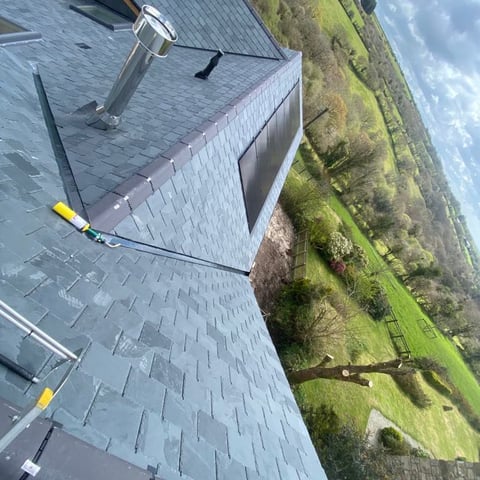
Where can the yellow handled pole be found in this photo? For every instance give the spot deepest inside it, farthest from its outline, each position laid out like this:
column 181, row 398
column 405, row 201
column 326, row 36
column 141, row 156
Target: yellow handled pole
column 70, row 216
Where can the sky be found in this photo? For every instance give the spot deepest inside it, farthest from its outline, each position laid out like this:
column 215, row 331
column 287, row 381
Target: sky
column 437, row 44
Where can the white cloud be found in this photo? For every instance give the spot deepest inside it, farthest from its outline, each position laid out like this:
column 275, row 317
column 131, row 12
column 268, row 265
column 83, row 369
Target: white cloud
column 436, row 44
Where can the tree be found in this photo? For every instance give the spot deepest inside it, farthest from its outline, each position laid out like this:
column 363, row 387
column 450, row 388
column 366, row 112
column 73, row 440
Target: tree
column 369, row 6
column 348, row 373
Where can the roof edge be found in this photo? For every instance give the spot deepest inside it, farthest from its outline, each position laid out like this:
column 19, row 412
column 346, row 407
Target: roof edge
column 265, row 29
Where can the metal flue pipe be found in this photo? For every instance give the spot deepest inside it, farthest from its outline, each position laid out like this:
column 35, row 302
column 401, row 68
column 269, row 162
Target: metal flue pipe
column 155, row 35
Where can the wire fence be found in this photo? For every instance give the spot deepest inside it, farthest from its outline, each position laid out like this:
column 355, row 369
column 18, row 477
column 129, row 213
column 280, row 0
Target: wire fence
column 300, row 255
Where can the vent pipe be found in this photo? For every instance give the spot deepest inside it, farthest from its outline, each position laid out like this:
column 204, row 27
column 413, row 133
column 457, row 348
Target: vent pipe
column 155, row 35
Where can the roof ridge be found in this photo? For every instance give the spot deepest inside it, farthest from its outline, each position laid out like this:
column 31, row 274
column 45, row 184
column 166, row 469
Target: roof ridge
column 265, row 29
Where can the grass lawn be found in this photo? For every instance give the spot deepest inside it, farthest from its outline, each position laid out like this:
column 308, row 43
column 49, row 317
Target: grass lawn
column 409, row 314
column 446, row 434
column 331, row 16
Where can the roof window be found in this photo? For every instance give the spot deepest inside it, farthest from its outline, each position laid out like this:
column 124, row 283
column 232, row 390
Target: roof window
column 11, row 33
column 113, row 14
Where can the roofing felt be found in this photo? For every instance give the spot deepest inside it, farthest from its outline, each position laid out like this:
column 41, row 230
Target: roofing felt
column 179, row 352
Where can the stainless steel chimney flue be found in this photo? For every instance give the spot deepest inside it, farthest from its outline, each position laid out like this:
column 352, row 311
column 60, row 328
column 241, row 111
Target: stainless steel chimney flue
column 155, row 35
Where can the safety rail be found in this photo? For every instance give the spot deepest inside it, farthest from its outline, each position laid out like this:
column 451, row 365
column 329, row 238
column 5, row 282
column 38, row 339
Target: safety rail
column 29, row 414
column 34, row 332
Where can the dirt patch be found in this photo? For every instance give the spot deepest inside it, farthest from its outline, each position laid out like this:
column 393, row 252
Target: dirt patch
column 272, row 268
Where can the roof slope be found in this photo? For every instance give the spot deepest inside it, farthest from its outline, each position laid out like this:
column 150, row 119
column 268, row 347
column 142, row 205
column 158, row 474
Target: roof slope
column 179, row 371
column 231, row 26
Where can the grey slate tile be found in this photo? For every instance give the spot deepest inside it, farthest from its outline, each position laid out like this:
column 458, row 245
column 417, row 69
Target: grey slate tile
column 58, row 300
column 111, row 370
column 241, row 449
column 180, row 413
column 115, row 416
column 129, row 321
column 151, row 337
column 167, row 373
column 197, row 458
column 77, row 394
column 138, row 355
column 213, row 431
column 228, row 468
column 161, row 441
column 76, row 428
column 145, row 391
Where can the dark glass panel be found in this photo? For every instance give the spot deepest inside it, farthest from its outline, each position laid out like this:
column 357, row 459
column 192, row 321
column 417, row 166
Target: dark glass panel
column 261, row 162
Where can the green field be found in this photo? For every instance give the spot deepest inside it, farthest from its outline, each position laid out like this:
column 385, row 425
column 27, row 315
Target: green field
column 446, row 435
column 335, row 19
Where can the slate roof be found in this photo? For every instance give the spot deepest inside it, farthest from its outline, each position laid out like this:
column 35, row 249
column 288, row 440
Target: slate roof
column 179, row 371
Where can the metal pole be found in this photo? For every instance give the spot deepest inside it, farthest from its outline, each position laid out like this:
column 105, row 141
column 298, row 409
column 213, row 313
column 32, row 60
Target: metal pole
column 21, row 322
column 18, row 369
column 26, row 418
column 155, row 35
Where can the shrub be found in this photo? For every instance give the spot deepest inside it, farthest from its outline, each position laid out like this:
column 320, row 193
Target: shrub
column 419, row 453
column 378, row 305
column 338, row 246
column 389, row 435
column 355, row 348
column 321, row 420
column 393, row 441
column 345, row 455
column 436, row 382
column 319, row 230
column 337, row 266
column 410, row 385
column 292, row 318
column 368, row 292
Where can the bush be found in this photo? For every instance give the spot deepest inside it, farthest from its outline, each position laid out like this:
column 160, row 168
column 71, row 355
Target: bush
column 355, row 348
column 378, row 305
column 320, row 420
column 419, row 453
column 345, row 455
column 290, row 323
column 393, row 441
column 436, row 382
column 368, row 292
column 319, row 230
column 410, row 385
column 338, row 246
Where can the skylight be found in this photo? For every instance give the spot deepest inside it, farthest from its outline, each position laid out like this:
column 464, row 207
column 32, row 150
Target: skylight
column 104, row 16
column 11, row 32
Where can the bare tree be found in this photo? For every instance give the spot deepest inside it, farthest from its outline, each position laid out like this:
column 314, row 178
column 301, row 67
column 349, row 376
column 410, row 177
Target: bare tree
column 348, row 373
